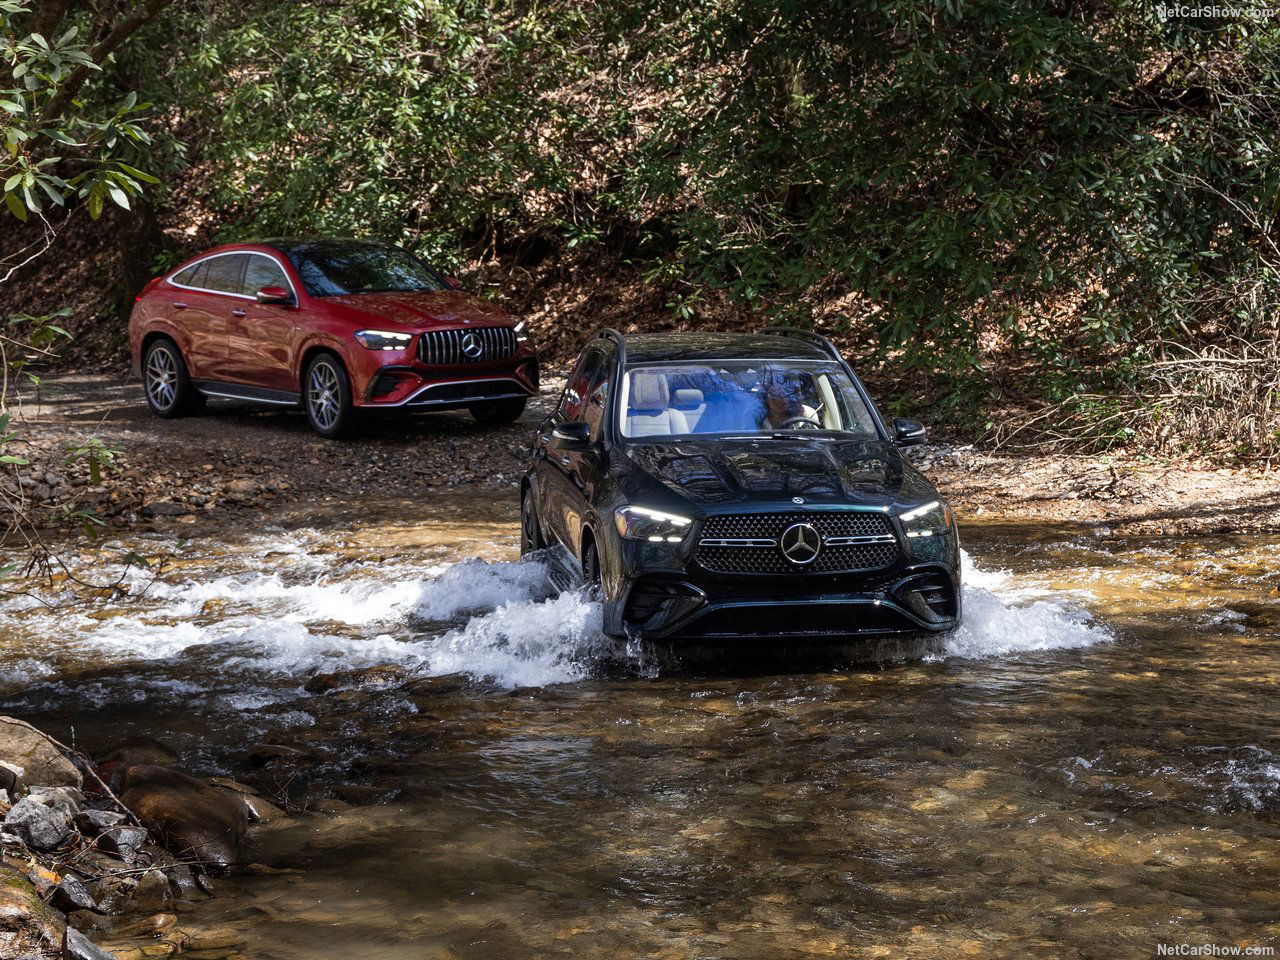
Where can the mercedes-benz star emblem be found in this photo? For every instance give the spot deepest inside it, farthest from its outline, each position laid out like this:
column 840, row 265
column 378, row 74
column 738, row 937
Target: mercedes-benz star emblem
column 801, row 544
column 797, row 499
column 472, row 347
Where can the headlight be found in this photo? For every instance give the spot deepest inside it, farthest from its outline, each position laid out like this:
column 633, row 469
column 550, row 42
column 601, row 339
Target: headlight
column 641, row 523
column 522, row 332
column 932, row 519
column 383, row 340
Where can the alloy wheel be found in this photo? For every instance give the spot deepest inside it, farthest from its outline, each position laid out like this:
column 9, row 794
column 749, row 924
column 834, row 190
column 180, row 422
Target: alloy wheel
column 162, row 378
column 324, row 395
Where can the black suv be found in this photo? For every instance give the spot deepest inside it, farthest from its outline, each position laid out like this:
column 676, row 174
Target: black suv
column 727, row 486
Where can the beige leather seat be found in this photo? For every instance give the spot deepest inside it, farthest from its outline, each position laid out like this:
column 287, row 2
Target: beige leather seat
column 649, row 411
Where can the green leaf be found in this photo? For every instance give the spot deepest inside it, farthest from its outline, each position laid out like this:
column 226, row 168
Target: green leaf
column 118, row 196
column 15, row 206
column 14, row 459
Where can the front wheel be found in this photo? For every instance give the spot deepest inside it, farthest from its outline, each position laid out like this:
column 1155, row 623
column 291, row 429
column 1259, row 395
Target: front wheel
column 327, row 396
column 497, row 412
column 530, row 530
column 170, row 392
column 591, row 571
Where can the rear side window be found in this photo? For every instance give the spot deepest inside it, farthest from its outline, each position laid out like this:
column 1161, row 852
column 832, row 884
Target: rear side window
column 262, row 272
column 226, row 273
column 193, row 276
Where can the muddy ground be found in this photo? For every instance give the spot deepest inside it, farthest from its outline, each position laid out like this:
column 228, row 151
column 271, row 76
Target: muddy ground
column 239, row 463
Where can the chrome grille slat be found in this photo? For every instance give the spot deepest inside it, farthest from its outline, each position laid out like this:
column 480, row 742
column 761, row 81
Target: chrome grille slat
column 444, row 347
column 853, row 540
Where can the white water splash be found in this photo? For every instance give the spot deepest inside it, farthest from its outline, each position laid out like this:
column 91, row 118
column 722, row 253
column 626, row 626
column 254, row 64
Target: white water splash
column 1003, row 618
column 501, row 622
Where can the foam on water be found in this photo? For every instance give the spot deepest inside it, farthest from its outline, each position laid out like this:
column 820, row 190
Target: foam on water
column 1002, row 618
column 501, row 622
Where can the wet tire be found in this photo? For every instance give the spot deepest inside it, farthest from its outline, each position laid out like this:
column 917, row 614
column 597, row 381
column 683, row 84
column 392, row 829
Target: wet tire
column 326, row 395
column 170, row 392
column 530, row 529
column 591, row 571
column 498, row 412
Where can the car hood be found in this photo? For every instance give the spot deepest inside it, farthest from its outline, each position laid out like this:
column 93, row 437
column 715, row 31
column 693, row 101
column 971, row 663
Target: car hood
column 819, row 470
column 419, row 310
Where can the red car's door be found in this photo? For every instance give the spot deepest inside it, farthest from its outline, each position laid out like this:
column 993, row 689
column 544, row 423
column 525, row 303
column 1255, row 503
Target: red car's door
column 202, row 304
column 260, row 335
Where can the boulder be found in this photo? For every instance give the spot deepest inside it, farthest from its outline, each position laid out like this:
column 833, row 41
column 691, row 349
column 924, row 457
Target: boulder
column 67, row 799
column 133, row 750
column 79, row 947
column 29, row 927
column 93, row 822
column 22, row 745
column 71, row 894
column 38, row 826
column 192, row 819
column 12, row 778
column 122, row 840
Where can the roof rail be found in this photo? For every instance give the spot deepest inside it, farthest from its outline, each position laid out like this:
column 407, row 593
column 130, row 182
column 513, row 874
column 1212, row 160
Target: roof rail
column 608, row 333
column 816, row 339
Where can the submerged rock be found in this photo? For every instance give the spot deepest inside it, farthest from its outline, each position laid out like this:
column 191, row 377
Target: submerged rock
column 134, row 750
column 29, row 928
column 193, row 820
column 22, row 745
column 38, row 826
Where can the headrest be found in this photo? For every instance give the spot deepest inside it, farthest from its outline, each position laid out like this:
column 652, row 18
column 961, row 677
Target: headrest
column 649, row 391
column 688, row 397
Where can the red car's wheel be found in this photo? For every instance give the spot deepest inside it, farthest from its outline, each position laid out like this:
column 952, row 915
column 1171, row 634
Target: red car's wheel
column 170, row 392
column 326, row 392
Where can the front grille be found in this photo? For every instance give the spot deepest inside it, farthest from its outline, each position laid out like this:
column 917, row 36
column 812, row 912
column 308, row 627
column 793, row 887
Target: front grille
column 449, row 347
column 758, row 535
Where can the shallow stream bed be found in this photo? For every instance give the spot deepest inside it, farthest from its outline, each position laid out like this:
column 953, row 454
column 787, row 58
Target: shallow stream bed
column 1090, row 768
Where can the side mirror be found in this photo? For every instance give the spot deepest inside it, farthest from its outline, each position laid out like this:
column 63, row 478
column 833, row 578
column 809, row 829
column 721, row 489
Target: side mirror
column 907, row 433
column 452, row 283
column 274, row 295
column 572, row 434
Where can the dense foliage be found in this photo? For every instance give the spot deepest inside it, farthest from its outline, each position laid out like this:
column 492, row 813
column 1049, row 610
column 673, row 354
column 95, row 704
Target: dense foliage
column 965, row 168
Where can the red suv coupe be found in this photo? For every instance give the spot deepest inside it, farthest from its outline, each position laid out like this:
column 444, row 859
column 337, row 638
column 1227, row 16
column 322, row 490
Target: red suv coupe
column 331, row 325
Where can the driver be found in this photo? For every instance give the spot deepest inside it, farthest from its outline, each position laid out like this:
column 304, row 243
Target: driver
column 783, row 402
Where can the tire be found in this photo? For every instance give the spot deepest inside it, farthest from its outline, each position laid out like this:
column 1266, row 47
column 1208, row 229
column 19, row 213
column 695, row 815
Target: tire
column 170, row 392
column 530, row 529
column 591, row 571
column 498, row 412
column 326, row 396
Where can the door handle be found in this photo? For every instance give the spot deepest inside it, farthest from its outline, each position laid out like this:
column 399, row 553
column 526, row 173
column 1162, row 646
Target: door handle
column 179, row 305
column 237, row 313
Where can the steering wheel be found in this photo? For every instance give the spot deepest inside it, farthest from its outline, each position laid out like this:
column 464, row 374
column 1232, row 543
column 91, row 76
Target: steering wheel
column 801, row 420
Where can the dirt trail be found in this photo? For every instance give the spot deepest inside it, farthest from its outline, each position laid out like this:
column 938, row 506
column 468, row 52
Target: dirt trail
column 235, row 460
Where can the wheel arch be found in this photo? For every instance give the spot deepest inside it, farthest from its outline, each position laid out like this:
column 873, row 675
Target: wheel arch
column 314, row 350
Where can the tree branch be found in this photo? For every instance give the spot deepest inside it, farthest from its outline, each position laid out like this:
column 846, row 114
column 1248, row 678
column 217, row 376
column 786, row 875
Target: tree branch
column 131, row 24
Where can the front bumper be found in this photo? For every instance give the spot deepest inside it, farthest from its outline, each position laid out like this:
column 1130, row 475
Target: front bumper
column 664, row 592
column 415, row 385
column 690, row 606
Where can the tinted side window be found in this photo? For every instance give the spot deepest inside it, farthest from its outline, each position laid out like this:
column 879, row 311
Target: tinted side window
column 188, row 276
column 225, row 273
column 262, row 272
column 575, row 391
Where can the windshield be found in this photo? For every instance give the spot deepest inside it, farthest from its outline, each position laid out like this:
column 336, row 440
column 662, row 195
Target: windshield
column 330, row 269
column 741, row 397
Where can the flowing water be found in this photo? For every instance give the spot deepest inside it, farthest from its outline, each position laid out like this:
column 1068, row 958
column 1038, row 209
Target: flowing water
column 1090, row 768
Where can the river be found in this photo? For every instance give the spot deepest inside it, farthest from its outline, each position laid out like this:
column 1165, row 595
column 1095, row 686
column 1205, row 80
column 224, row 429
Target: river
column 1089, row 768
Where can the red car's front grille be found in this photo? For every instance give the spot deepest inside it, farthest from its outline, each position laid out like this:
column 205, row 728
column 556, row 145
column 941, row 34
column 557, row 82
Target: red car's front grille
column 474, row 345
